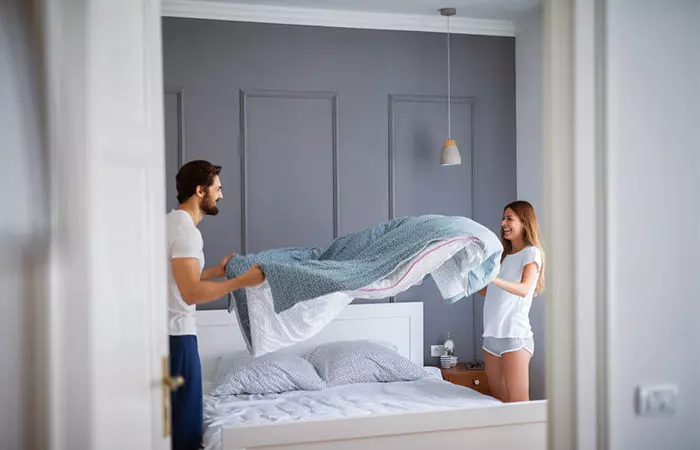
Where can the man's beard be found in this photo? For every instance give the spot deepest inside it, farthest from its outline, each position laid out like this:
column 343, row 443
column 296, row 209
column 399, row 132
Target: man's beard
column 208, row 206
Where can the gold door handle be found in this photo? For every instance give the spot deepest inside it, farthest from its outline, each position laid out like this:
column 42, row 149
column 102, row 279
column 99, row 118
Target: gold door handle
column 170, row 384
column 173, row 382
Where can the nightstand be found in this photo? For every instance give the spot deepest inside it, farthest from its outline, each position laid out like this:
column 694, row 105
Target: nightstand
column 472, row 378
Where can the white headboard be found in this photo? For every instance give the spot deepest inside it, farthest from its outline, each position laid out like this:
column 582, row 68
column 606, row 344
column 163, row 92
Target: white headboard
column 398, row 323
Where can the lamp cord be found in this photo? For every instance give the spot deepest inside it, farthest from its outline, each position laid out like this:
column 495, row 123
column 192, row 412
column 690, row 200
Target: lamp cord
column 449, row 93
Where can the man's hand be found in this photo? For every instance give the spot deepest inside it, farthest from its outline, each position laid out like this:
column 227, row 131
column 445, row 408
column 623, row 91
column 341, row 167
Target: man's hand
column 217, row 271
column 194, row 290
column 253, row 277
column 222, row 264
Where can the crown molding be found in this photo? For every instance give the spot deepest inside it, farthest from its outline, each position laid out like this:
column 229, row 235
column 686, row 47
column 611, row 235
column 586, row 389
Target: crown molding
column 199, row 9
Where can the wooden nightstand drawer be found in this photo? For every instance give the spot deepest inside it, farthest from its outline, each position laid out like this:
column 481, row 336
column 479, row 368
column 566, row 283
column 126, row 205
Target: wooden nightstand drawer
column 472, row 378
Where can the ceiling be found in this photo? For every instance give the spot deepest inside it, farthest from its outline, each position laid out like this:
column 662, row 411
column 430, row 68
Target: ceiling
column 478, row 9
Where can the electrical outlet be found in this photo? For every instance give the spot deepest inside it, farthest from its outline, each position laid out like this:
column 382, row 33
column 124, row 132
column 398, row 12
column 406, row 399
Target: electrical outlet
column 657, row 400
column 437, row 350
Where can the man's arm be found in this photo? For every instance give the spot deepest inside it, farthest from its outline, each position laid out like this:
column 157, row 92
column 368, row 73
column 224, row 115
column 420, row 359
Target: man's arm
column 217, row 271
column 194, row 290
column 211, row 272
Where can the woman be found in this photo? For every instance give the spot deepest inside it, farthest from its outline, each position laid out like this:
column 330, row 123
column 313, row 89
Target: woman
column 508, row 344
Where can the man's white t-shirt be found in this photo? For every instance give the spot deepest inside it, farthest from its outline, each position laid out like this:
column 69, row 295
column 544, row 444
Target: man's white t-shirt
column 184, row 241
column 507, row 315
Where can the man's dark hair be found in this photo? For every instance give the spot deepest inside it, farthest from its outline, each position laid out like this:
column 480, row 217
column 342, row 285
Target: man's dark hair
column 193, row 174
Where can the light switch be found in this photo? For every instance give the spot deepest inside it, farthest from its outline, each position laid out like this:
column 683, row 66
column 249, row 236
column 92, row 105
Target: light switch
column 659, row 400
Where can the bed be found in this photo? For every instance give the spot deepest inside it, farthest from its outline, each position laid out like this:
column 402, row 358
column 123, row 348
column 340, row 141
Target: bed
column 414, row 414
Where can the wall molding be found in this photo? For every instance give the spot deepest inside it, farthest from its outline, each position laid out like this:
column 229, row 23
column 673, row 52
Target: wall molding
column 196, row 9
column 245, row 96
column 179, row 93
column 471, row 101
column 411, row 98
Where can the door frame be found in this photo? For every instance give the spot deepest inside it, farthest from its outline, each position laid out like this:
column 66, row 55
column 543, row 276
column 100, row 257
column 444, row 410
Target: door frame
column 74, row 379
column 576, row 191
column 575, row 167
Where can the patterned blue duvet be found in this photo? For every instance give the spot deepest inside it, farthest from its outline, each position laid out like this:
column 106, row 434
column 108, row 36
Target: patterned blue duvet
column 463, row 257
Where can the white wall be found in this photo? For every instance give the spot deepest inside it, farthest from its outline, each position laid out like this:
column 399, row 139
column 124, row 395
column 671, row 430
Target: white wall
column 653, row 147
column 530, row 158
column 21, row 219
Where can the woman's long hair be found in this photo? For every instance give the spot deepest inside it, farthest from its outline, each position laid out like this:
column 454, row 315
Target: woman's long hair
column 531, row 235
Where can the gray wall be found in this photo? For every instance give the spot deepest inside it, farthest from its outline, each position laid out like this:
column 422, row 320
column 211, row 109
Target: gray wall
column 339, row 130
column 529, row 63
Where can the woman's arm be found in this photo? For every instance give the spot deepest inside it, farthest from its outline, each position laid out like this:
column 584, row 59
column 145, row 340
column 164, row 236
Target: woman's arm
column 527, row 281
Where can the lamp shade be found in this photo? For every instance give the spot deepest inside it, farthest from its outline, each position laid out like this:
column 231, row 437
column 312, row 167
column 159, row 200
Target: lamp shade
column 450, row 154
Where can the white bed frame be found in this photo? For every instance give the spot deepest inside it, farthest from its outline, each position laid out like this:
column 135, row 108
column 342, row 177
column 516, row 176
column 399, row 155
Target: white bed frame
column 498, row 427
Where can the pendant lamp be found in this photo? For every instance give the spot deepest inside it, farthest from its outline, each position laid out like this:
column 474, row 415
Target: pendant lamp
column 450, row 153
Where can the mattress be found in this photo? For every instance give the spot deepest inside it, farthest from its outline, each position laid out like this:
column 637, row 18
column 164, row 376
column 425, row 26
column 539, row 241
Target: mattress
column 354, row 400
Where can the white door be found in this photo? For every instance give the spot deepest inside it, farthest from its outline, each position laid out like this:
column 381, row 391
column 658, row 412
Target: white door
column 108, row 333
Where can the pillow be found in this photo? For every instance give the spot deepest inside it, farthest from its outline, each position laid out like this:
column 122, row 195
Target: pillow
column 272, row 373
column 386, row 344
column 433, row 372
column 363, row 361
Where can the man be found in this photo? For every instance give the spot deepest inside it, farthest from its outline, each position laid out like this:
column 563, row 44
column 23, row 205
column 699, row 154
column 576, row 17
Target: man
column 198, row 192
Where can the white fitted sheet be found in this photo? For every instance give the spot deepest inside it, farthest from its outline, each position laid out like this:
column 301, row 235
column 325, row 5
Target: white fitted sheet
column 355, row 400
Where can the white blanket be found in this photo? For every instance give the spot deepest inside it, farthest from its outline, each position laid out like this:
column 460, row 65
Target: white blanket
column 448, row 262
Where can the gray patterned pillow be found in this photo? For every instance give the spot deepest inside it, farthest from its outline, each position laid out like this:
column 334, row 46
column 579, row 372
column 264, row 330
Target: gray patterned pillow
column 272, row 373
column 363, row 361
